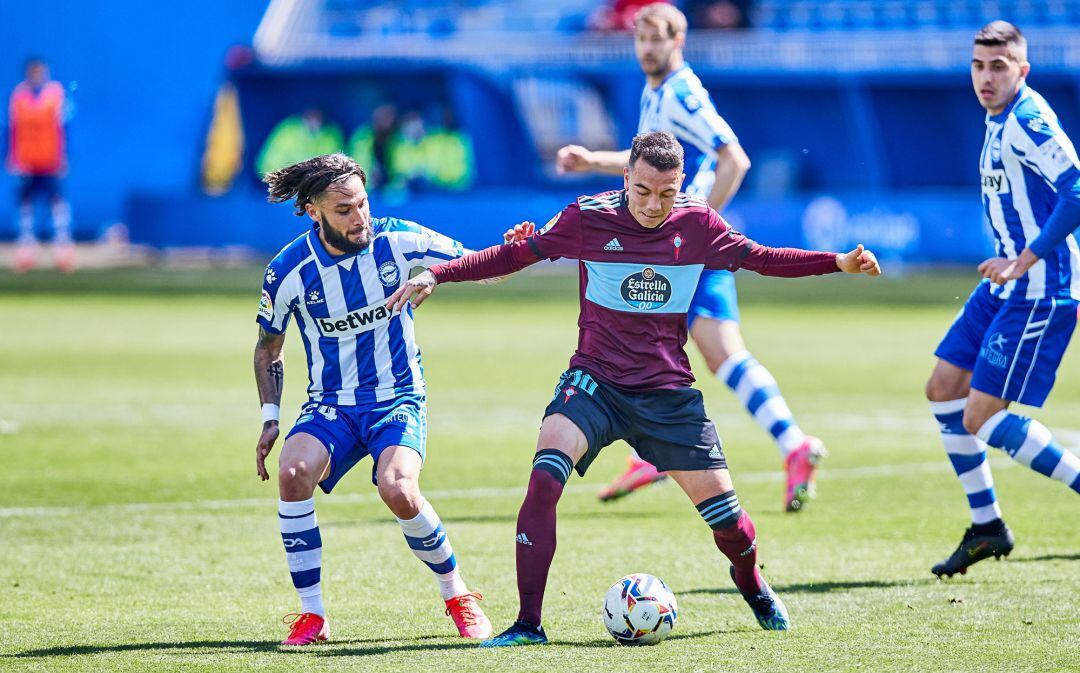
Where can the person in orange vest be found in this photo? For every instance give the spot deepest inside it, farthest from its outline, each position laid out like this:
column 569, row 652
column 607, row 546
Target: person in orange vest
column 36, row 156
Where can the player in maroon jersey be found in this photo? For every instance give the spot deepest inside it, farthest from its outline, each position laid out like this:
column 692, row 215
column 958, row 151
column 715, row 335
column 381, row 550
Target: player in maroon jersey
column 630, row 377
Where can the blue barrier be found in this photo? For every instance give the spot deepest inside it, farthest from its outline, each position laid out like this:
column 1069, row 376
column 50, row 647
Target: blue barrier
column 928, row 227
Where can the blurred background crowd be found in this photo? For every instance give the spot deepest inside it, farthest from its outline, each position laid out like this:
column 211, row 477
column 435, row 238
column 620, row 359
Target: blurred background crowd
column 858, row 115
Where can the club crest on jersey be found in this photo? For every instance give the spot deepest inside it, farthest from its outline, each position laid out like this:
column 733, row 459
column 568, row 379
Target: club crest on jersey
column 266, row 306
column 995, row 150
column 646, row 290
column 389, row 274
column 677, row 242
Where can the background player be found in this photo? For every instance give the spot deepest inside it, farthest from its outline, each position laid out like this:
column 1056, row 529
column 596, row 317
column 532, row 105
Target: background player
column 675, row 101
column 366, row 386
column 37, row 114
column 1007, row 342
column 630, row 377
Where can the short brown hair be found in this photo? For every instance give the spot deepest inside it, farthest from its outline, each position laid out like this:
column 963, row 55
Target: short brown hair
column 1004, row 34
column 659, row 149
column 662, row 12
column 306, row 180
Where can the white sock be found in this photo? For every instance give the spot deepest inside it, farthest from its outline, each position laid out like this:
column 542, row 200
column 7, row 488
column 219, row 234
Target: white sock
column 26, row 225
column 303, row 550
column 757, row 390
column 968, row 457
column 425, row 535
column 61, row 217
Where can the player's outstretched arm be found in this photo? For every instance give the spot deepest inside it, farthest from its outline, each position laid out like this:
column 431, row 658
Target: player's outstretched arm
column 269, row 377
column 859, row 260
column 577, row 159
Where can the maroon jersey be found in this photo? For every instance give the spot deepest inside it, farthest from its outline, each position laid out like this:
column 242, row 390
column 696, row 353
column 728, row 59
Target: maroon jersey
column 637, row 283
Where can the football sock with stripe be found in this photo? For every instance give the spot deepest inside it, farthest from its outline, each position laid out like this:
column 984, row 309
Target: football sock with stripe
column 1031, row 444
column 734, row 535
column 758, row 391
column 303, row 551
column 536, row 530
column 429, row 542
column 967, row 453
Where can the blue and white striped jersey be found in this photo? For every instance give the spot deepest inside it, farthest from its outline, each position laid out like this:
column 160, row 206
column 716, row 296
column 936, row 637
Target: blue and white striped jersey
column 682, row 106
column 358, row 352
column 1026, row 159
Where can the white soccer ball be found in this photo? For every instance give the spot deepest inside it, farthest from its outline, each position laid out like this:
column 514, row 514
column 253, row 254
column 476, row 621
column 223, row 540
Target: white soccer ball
column 639, row 609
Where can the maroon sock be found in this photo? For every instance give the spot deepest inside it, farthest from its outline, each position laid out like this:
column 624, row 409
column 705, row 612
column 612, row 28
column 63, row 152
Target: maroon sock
column 536, row 539
column 738, row 542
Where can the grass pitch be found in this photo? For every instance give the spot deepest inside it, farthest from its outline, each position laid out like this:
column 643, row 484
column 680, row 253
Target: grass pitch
column 136, row 535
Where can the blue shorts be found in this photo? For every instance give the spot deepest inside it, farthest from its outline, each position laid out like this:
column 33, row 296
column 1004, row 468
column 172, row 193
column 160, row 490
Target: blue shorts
column 349, row 433
column 1012, row 347
column 31, row 186
column 714, row 298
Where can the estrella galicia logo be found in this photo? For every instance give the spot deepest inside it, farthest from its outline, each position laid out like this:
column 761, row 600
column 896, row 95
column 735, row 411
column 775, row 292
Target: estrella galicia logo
column 646, row 290
column 994, row 351
column 389, row 274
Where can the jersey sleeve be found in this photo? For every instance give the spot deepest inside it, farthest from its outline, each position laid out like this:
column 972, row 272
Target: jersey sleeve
column 560, row 237
column 1041, row 145
column 696, row 121
column 727, row 247
column 276, row 303
column 423, row 247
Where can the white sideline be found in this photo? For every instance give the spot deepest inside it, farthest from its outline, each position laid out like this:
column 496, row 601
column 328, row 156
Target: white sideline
column 824, row 474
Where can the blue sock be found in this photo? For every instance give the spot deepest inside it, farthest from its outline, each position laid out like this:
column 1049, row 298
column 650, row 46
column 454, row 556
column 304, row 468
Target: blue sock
column 757, row 390
column 968, row 457
column 429, row 542
column 303, row 550
column 1031, row 444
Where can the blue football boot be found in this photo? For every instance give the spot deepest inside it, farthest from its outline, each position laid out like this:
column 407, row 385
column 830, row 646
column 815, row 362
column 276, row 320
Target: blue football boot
column 767, row 606
column 519, row 633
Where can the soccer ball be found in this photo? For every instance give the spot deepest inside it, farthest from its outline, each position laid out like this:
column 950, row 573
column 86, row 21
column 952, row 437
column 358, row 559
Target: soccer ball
column 639, row 609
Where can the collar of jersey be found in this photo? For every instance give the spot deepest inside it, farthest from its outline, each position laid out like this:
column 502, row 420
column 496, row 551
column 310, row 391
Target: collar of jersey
column 1000, row 118
column 671, row 74
column 324, row 257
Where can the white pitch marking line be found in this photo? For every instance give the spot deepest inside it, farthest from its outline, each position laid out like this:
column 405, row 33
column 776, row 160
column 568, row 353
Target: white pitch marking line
column 466, row 493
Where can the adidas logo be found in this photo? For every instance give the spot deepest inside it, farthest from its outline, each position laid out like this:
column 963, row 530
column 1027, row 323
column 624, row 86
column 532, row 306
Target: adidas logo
column 613, row 246
column 523, row 539
column 715, row 452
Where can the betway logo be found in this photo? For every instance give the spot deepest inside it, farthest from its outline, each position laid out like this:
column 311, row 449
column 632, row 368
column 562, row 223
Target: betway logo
column 354, row 322
column 994, row 182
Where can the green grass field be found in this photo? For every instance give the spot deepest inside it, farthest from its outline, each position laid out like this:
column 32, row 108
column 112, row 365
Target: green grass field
column 136, row 535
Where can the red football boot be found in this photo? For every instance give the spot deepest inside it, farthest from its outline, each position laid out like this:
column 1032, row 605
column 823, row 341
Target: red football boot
column 470, row 620
column 800, row 466
column 640, row 473
column 306, row 628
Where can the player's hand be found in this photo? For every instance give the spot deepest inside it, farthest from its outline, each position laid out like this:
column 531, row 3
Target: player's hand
column 415, row 290
column 859, row 260
column 1000, row 270
column 519, row 232
column 573, row 159
column 269, row 435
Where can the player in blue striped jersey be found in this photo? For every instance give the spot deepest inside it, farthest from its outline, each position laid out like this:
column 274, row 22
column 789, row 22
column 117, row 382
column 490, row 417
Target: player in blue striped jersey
column 365, row 383
column 1008, row 340
column 675, row 101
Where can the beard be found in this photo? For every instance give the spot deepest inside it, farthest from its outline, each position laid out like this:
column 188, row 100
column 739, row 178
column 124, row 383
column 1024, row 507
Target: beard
column 342, row 242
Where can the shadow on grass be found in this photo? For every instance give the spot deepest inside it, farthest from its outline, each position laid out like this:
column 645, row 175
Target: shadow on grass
column 217, row 646
column 818, row 587
column 356, row 647
column 1045, row 557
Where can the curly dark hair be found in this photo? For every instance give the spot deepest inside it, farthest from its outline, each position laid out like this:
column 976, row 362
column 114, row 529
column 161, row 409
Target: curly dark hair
column 659, row 149
column 308, row 179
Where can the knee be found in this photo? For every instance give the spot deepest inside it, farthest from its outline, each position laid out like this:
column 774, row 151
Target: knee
column 939, row 390
column 402, row 496
column 974, row 420
column 296, row 480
